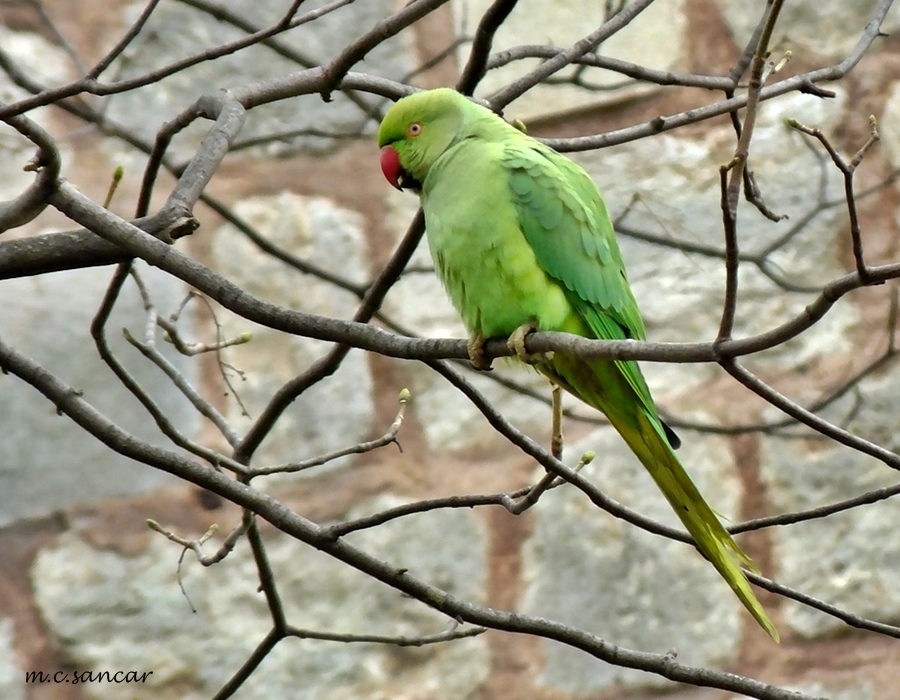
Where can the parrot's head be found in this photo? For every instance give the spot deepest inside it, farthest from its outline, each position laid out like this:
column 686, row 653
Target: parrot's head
column 416, row 131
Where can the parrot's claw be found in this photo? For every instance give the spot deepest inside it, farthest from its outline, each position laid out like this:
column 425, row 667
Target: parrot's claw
column 516, row 343
column 475, row 348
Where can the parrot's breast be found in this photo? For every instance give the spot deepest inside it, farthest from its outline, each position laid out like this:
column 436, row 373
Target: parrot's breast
column 487, row 267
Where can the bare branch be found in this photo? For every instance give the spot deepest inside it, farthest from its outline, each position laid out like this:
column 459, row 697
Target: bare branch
column 732, row 174
column 168, row 428
column 805, row 82
column 202, row 405
column 46, row 163
column 450, row 635
column 756, row 385
column 476, row 67
column 848, row 170
column 856, row 621
column 123, row 43
column 329, row 364
column 196, row 545
column 333, row 74
column 632, row 70
column 503, row 97
column 389, row 438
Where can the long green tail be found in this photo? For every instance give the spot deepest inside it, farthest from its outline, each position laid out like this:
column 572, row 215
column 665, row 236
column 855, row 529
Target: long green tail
column 645, row 436
column 648, row 442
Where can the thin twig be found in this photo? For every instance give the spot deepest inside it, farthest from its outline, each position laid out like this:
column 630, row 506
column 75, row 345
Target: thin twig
column 848, row 170
column 389, row 438
column 547, row 482
column 196, row 545
column 503, row 97
column 856, row 621
column 449, row 635
column 476, row 66
column 759, row 387
column 165, row 424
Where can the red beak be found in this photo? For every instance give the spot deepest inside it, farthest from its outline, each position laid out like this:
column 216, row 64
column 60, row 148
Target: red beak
column 390, row 165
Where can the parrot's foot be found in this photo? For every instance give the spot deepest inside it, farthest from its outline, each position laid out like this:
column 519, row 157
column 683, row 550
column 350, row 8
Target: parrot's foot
column 516, row 343
column 475, row 348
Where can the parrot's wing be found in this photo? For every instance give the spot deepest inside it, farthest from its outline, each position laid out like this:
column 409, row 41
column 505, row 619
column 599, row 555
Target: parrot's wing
column 565, row 221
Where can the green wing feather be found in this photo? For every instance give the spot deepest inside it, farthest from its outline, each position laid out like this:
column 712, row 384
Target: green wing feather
column 566, row 223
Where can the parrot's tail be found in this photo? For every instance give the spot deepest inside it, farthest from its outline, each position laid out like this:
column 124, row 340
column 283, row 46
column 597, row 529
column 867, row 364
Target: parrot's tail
column 648, row 441
column 603, row 386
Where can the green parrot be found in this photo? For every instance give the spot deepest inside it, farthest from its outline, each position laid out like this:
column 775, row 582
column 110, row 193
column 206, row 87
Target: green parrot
column 522, row 241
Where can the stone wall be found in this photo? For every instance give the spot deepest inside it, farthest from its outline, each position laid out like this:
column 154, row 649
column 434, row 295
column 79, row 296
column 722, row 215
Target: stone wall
column 86, row 586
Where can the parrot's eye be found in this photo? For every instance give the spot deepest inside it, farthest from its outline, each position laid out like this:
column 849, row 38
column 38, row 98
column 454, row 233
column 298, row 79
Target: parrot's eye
column 414, row 129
